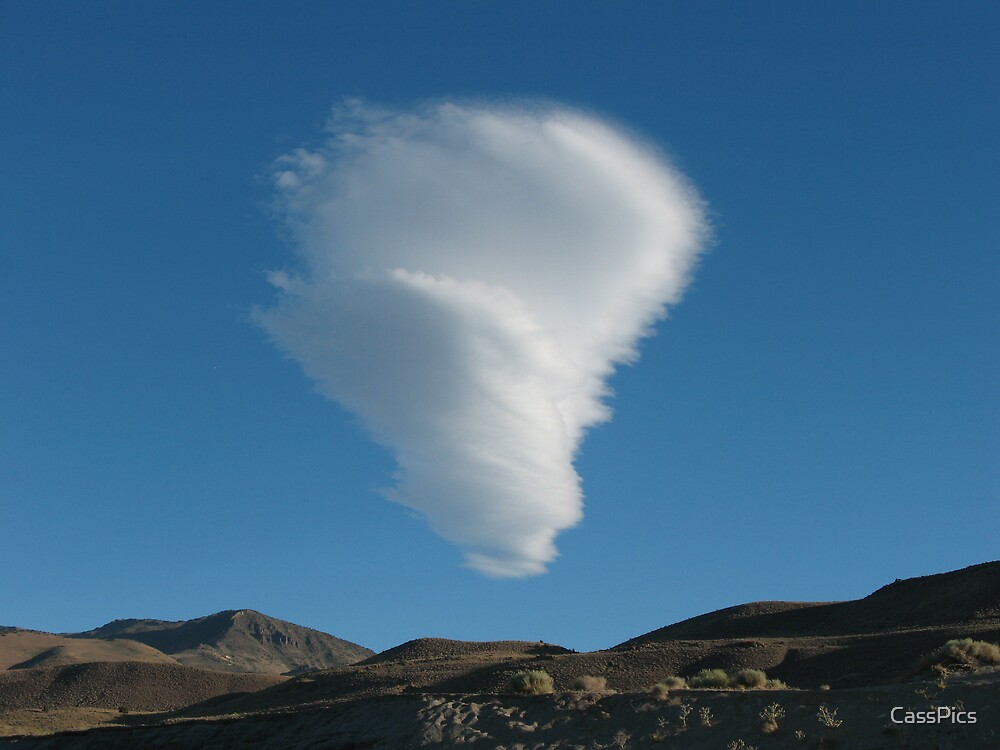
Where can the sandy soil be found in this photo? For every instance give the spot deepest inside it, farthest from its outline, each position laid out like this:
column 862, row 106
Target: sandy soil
column 26, row 649
column 686, row 720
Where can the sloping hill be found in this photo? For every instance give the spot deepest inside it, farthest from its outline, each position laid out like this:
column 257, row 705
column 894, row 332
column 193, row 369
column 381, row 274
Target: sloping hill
column 444, row 648
column 25, row 649
column 132, row 685
column 873, row 643
column 966, row 597
column 237, row 641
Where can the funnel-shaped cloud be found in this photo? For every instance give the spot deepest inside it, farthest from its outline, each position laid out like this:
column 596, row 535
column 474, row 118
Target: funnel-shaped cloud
column 469, row 278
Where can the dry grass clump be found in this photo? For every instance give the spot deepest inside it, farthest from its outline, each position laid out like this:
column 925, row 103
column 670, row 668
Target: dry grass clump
column 964, row 653
column 745, row 679
column 533, row 682
column 749, row 679
column 590, row 684
column 711, row 679
column 661, row 690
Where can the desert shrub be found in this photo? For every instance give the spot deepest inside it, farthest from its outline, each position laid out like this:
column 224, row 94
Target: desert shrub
column 749, row 679
column 772, row 712
column 774, row 684
column 683, row 711
column 591, row 684
column 533, row 682
column 942, row 674
column 660, row 691
column 770, row 716
column 828, row 718
column 964, row 652
column 705, row 716
column 715, row 679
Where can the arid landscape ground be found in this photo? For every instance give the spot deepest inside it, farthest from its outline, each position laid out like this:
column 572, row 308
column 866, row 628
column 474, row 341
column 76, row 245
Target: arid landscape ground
column 242, row 679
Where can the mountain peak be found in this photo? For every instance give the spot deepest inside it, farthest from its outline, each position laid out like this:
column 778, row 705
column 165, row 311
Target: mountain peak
column 238, row 640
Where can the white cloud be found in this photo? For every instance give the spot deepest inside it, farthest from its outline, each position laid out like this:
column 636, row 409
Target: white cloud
column 469, row 277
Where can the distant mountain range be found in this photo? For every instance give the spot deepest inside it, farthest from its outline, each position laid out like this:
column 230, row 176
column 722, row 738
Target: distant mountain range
column 231, row 641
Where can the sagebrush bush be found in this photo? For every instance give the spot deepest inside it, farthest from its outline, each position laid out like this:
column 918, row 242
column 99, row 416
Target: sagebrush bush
column 965, row 652
column 715, row 679
column 671, row 682
column 773, row 684
column 749, row 679
column 533, row 682
column 590, row 684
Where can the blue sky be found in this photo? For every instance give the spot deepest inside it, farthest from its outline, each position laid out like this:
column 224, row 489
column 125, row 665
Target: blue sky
column 818, row 417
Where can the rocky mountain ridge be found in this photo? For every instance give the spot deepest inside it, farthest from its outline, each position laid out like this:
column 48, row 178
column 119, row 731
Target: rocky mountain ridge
column 230, row 641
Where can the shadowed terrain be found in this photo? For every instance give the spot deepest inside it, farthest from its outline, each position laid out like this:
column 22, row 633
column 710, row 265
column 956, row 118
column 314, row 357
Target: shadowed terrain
column 970, row 596
column 685, row 720
column 867, row 655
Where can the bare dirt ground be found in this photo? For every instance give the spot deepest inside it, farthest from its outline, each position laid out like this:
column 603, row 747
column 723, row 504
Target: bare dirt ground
column 35, row 721
column 132, row 686
column 686, row 720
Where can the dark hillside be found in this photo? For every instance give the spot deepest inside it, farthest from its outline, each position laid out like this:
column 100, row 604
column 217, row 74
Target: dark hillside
column 965, row 597
column 444, row 648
